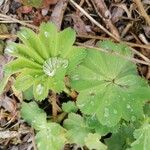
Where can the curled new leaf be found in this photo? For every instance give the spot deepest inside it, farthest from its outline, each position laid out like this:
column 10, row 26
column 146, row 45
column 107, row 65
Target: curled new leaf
column 44, row 59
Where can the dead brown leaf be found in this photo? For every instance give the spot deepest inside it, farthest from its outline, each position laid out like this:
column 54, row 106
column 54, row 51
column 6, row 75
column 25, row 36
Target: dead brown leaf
column 79, row 25
column 8, row 104
column 58, row 13
column 24, row 9
column 49, row 2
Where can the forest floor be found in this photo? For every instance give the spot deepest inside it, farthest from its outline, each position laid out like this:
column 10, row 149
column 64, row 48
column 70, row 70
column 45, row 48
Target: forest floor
column 124, row 21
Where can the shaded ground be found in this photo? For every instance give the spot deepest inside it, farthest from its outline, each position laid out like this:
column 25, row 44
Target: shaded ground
column 118, row 20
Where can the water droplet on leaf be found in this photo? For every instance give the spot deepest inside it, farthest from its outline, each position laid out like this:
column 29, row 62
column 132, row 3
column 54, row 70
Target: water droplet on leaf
column 39, row 89
column 24, row 34
column 106, row 112
column 10, row 49
column 124, row 99
column 46, row 34
column 36, row 76
column 51, row 65
column 75, row 77
column 81, row 105
column 92, row 103
column 115, row 111
column 133, row 118
column 128, row 106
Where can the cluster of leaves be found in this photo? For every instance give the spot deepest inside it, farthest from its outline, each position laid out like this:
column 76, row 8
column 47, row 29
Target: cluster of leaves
column 51, row 135
column 111, row 94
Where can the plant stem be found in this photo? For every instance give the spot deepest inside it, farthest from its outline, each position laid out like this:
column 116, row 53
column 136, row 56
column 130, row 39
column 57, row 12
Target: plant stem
column 61, row 117
column 55, row 107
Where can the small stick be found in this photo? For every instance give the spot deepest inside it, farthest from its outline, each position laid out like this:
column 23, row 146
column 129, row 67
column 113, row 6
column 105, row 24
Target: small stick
column 7, row 36
column 9, row 18
column 134, row 60
column 142, row 11
column 104, row 13
column 55, row 108
column 93, row 20
column 128, row 43
column 58, row 13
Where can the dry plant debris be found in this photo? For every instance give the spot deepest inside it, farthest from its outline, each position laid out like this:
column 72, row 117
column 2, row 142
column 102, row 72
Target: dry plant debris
column 126, row 21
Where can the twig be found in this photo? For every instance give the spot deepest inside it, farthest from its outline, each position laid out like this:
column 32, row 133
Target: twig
column 126, row 29
column 9, row 18
column 58, row 13
column 143, row 38
column 93, row 20
column 8, row 21
column 33, row 139
column 7, row 36
column 104, row 13
column 142, row 11
column 141, row 55
column 55, row 108
column 134, row 60
column 81, row 3
column 105, row 38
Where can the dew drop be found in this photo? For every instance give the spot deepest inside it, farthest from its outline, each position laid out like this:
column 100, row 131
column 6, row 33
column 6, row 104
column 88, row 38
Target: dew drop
column 65, row 63
column 46, row 34
column 51, row 65
column 131, row 110
column 24, row 34
column 92, row 103
column 32, row 59
column 124, row 99
column 128, row 106
column 92, row 94
column 106, row 112
column 75, row 77
column 10, row 50
column 39, row 145
column 115, row 111
column 39, row 89
column 36, row 76
column 133, row 118
column 81, row 105
column 107, row 122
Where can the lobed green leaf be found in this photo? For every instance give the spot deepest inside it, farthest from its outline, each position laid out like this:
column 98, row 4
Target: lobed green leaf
column 109, row 86
column 48, row 56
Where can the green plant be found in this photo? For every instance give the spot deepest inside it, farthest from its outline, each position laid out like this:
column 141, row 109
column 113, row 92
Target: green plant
column 111, row 96
column 109, row 86
column 51, row 136
column 44, row 59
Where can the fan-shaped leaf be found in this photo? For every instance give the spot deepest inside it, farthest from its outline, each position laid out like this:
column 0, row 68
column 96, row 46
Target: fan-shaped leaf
column 142, row 136
column 76, row 124
column 109, row 86
column 49, row 135
column 92, row 142
column 34, row 115
column 49, row 55
column 51, row 138
column 69, row 107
